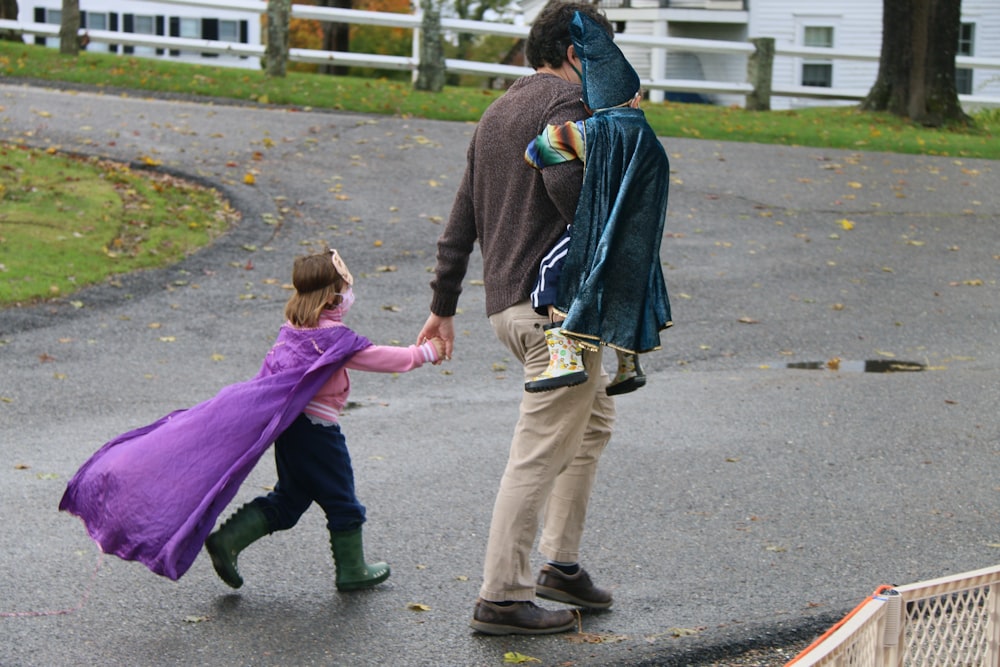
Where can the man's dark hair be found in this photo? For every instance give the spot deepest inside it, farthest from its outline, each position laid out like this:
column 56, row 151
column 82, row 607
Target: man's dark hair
column 549, row 36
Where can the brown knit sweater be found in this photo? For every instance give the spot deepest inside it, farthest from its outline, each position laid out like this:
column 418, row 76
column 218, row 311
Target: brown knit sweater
column 515, row 212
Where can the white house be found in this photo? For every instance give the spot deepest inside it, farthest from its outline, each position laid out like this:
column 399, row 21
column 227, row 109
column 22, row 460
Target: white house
column 152, row 18
column 846, row 25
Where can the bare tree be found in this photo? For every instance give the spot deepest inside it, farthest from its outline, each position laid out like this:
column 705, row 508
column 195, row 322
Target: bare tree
column 336, row 36
column 8, row 11
column 69, row 28
column 916, row 77
column 431, row 71
column 276, row 52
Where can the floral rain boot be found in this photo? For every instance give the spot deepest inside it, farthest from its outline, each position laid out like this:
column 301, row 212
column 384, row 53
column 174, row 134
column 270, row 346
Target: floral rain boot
column 629, row 376
column 565, row 363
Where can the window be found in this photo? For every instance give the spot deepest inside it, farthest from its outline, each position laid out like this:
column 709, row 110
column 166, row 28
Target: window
column 966, row 42
column 229, row 31
column 53, row 17
column 144, row 25
column 815, row 71
column 190, row 28
column 95, row 21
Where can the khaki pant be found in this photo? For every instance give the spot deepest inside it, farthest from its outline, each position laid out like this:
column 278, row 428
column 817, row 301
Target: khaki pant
column 553, row 461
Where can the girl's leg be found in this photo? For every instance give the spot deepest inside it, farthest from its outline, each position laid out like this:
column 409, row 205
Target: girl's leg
column 313, row 465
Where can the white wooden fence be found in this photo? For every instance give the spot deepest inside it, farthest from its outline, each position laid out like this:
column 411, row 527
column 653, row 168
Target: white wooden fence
column 496, row 70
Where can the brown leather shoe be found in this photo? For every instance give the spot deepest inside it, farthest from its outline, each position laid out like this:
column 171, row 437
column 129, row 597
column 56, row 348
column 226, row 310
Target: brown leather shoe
column 520, row 618
column 575, row 589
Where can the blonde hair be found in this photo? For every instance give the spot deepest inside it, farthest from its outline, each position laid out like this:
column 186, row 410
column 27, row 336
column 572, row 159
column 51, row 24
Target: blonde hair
column 317, row 286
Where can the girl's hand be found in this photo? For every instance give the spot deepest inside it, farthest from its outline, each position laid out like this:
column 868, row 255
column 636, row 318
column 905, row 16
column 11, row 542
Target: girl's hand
column 439, row 347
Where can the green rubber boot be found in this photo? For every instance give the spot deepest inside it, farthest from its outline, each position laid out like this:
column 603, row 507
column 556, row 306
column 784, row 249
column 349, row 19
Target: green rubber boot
column 247, row 525
column 353, row 573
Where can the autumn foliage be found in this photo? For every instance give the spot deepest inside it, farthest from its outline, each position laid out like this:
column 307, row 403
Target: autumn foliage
column 308, row 33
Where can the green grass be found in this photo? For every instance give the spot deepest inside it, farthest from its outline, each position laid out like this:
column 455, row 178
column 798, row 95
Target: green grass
column 63, row 233
column 67, row 222
column 832, row 127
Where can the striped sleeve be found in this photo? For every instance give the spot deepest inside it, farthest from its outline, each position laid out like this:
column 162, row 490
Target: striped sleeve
column 557, row 144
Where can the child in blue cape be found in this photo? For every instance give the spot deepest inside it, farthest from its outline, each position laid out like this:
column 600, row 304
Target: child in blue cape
column 602, row 283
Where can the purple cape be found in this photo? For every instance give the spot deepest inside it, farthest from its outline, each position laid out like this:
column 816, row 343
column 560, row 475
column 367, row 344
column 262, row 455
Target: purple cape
column 153, row 494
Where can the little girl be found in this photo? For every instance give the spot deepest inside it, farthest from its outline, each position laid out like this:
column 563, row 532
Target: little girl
column 154, row 494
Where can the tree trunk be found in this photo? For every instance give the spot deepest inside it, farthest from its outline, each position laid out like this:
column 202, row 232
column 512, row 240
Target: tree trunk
column 431, row 71
column 276, row 52
column 69, row 28
column 916, row 76
column 8, row 11
column 336, row 37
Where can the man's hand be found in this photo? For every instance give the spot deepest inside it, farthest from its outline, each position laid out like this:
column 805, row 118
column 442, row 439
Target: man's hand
column 439, row 327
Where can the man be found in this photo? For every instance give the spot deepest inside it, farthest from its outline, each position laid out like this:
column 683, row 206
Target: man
column 517, row 213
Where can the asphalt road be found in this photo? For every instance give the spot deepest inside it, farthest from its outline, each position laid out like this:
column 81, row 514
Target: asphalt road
column 742, row 502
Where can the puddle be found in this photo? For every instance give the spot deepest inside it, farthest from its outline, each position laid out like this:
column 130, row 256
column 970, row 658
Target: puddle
column 869, row 366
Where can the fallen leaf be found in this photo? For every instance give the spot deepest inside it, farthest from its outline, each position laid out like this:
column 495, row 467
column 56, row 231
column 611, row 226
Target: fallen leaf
column 513, row 657
column 683, row 632
column 416, row 606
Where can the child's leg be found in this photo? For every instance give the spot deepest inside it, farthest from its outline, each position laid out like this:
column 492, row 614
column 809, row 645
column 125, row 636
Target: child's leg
column 565, row 356
column 543, row 296
column 278, row 510
column 314, row 465
column 629, row 376
column 565, row 367
column 323, row 470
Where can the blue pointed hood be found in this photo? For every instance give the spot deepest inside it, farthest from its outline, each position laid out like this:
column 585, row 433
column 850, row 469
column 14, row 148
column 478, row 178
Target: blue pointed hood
column 608, row 78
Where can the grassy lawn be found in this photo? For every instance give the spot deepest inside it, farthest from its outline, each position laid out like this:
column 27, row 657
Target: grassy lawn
column 67, row 222
column 90, row 244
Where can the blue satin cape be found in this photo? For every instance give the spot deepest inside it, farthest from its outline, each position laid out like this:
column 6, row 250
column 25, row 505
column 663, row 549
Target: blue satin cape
column 611, row 286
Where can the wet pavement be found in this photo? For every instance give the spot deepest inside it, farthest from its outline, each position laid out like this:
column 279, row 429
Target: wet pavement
column 762, row 483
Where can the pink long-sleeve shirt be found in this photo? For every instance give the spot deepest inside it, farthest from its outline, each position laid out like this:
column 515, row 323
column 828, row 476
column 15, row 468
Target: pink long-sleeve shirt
column 330, row 400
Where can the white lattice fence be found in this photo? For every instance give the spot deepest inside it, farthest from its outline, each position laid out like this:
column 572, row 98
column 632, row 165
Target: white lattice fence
column 949, row 622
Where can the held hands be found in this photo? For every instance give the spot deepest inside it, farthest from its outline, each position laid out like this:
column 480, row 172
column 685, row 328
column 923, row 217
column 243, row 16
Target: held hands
column 439, row 347
column 440, row 331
